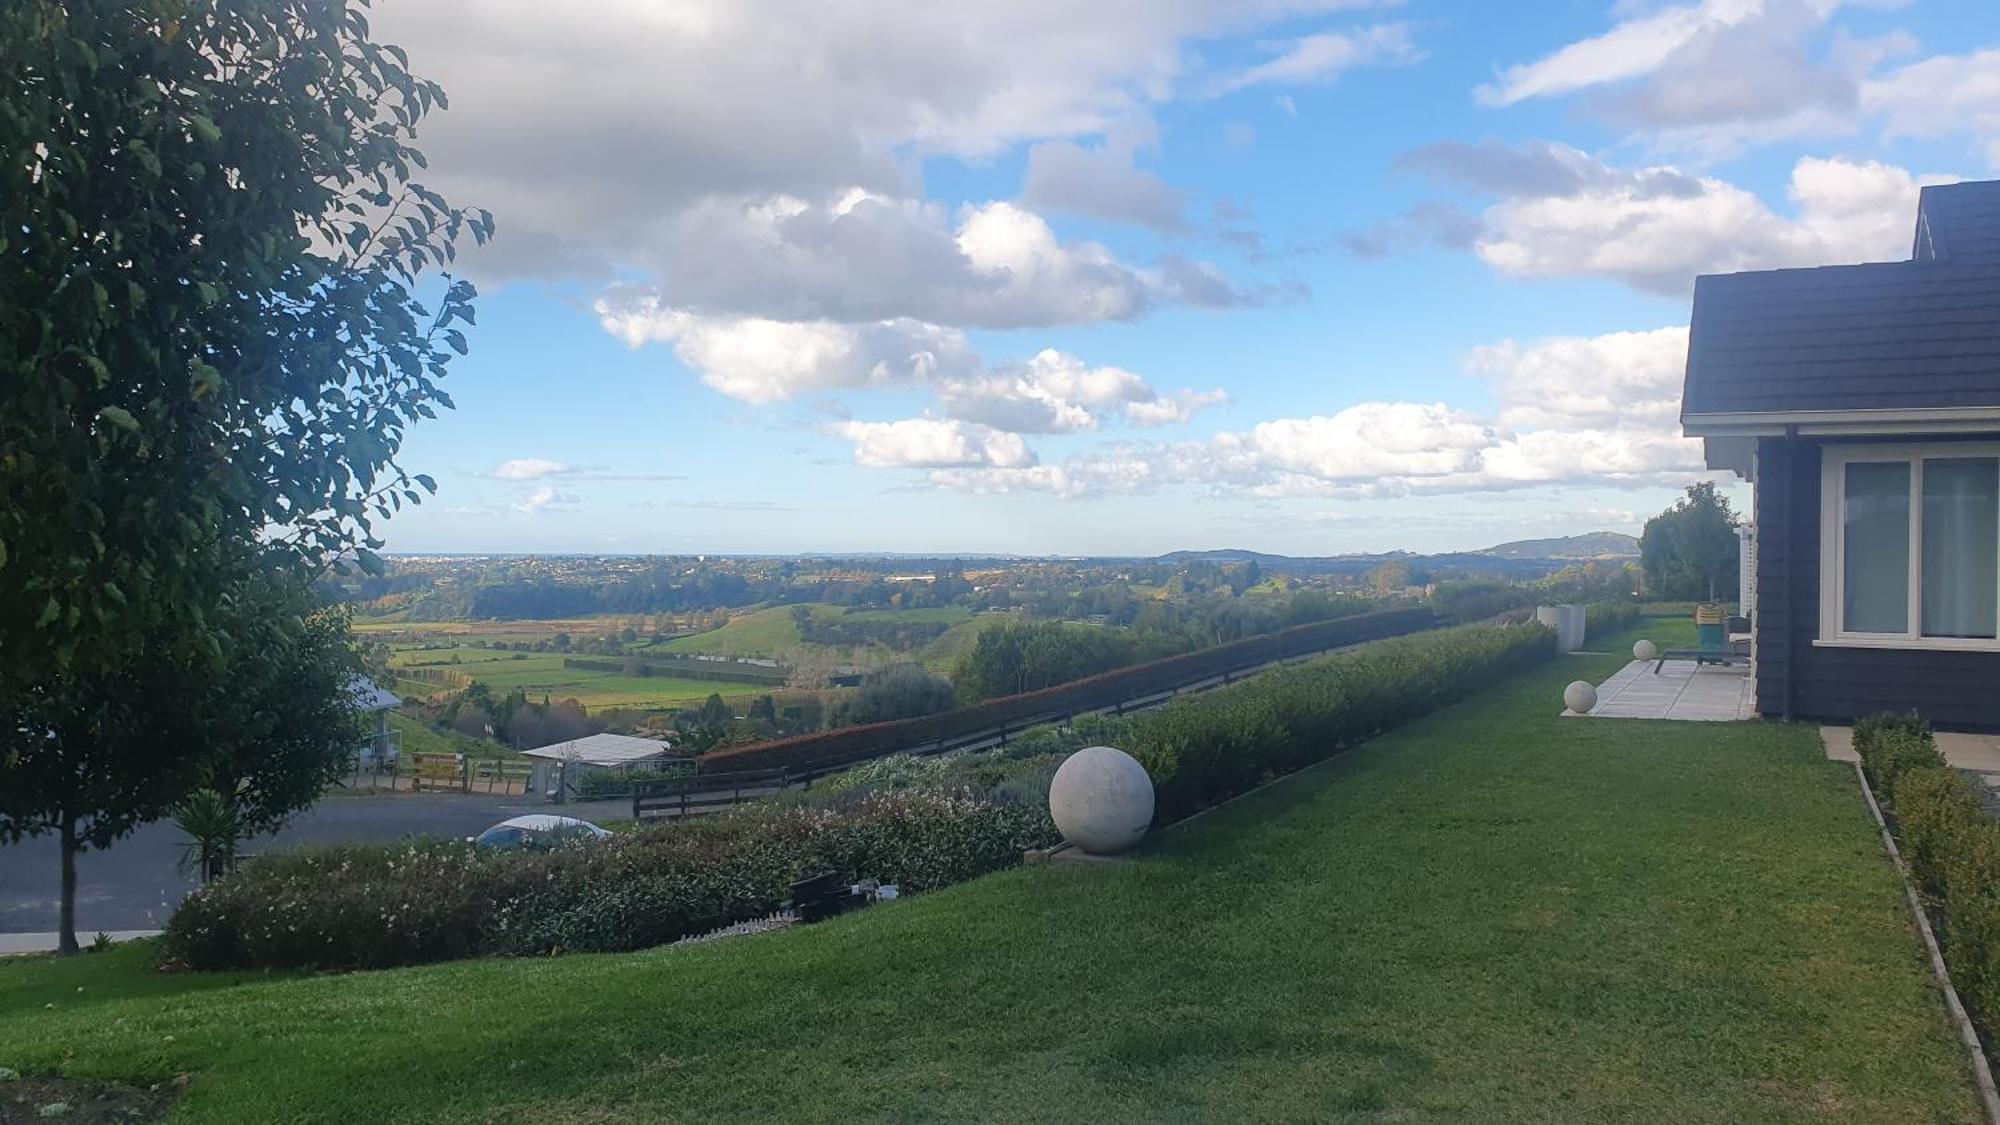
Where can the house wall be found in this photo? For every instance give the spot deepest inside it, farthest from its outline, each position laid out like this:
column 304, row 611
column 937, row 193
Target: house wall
column 1951, row 689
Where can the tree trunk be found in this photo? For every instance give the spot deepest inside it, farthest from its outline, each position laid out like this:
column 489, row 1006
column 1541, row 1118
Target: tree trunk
column 67, row 940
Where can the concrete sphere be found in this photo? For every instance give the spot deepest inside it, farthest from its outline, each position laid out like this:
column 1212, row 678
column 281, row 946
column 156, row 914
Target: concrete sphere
column 1580, row 697
column 1645, row 650
column 1101, row 800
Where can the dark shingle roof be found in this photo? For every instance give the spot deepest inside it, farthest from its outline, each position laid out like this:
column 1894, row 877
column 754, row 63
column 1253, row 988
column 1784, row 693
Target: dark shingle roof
column 1923, row 333
column 1959, row 223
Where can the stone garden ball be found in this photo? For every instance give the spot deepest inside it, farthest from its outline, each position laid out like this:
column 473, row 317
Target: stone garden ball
column 1101, row 800
column 1645, row 650
column 1579, row 697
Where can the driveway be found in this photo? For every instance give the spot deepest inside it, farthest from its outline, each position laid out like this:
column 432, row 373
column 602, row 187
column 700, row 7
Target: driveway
column 134, row 884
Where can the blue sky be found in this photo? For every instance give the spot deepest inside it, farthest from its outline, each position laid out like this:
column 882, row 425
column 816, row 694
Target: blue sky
column 1120, row 278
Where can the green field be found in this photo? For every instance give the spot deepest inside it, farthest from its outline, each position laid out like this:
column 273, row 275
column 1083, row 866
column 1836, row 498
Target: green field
column 539, row 674
column 1492, row 914
column 764, row 632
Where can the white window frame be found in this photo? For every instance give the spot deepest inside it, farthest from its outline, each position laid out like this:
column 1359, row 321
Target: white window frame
column 1834, row 460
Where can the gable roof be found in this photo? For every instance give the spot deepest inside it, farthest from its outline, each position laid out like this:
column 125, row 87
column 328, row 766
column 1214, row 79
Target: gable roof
column 603, row 750
column 1890, row 336
column 1959, row 223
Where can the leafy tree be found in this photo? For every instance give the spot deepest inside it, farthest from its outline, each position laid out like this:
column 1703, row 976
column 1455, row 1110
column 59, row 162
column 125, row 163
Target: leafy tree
column 901, row 692
column 1691, row 550
column 210, row 346
column 1013, row 657
column 280, row 725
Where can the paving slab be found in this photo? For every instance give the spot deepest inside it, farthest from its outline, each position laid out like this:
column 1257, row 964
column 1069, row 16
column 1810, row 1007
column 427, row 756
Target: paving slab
column 1681, row 689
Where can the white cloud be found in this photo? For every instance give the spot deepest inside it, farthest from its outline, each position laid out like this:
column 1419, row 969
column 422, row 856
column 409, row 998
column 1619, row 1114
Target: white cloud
column 1173, row 409
column 1714, row 76
column 587, row 127
column 1588, row 381
column 859, row 257
column 1323, row 56
column 758, row 360
column 543, row 499
column 528, row 468
column 1942, row 95
column 1573, row 410
column 932, row 443
column 1056, row 392
column 1656, row 228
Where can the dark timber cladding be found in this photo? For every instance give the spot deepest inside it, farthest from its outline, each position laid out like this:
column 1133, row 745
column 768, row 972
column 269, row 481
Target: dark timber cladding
column 1951, row 688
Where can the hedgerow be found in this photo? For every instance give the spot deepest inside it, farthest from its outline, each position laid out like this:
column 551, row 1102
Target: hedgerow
column 1206, row 748
column 376, row 906
column 1600, row 618
column 1951, row 846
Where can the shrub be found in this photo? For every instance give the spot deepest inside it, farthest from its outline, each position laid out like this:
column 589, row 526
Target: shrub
column 1891, row 745
column 373, row 906
column 1972, row 921
column 836, row 748
column 1206, row 748
column 1936, row 807
column 905, row 691
column 1600, row 618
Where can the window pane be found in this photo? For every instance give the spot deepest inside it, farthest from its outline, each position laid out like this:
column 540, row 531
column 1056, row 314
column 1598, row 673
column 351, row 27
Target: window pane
column 1876, row 582
column 1961, row 545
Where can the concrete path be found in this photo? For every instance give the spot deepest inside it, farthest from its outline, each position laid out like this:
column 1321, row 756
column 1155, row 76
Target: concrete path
column 1681, row 689
column 135, row 884
column 1973, row 753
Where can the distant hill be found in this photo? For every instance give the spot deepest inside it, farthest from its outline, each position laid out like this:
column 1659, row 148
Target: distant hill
column 1590, row 545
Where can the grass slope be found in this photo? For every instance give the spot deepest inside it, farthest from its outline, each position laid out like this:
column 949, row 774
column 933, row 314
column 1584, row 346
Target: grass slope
column 1491, row 914
column 539, row 674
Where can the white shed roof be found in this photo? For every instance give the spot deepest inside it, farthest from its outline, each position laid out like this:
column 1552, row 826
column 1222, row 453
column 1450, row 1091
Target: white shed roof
column 603, row 750
column 371, row 696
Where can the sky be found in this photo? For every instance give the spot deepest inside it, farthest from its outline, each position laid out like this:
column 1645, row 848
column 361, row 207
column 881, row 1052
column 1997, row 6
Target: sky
column 1131, row 276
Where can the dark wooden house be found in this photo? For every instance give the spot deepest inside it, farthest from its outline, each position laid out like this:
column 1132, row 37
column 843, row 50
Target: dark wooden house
column 1863, row 403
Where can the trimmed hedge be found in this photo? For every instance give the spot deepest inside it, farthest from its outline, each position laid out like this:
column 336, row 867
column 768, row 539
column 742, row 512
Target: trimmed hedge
column 1891, row 745
column 377, row 906
column 835, row 748
column 1204, row 749
column 1600, row 618
column 1952, row 847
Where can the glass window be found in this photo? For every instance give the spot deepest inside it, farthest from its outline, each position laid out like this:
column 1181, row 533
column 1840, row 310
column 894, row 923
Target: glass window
column 1876, row 548
column 1961, row 546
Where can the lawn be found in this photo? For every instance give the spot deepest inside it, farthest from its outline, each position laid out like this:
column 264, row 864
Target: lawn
column 764, row 632
column 1490, row 914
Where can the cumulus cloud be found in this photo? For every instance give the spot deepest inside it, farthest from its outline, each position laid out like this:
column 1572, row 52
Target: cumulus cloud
column 861, row 257
column 588, row 128
column 1588, row 381
column 1566, row 214
column 1056, row 392
column 1942, row 95
column 759, row 360
column 543, row 499
column 932, row 443
column 1573, row 410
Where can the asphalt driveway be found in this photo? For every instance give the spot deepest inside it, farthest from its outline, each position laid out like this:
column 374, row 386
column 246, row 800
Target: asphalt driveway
column 134, row 884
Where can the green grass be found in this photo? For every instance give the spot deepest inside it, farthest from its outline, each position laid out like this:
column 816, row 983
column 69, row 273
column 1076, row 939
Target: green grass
column 414, row 736
column 1492, row 914
column 765, row 632
column 540, row 674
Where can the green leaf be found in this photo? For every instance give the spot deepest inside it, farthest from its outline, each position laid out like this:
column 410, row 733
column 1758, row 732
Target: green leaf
column 3, row 552
column 204, row 128
column 430, row 486
column 457, row 340
column 50, row 612
column 120, row 417
column 369, row 562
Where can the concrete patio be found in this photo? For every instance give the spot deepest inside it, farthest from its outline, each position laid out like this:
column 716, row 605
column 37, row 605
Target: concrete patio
column 1681, row 689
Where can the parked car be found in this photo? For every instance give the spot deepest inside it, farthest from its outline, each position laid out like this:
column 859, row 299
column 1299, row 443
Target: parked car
column 538, row 830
